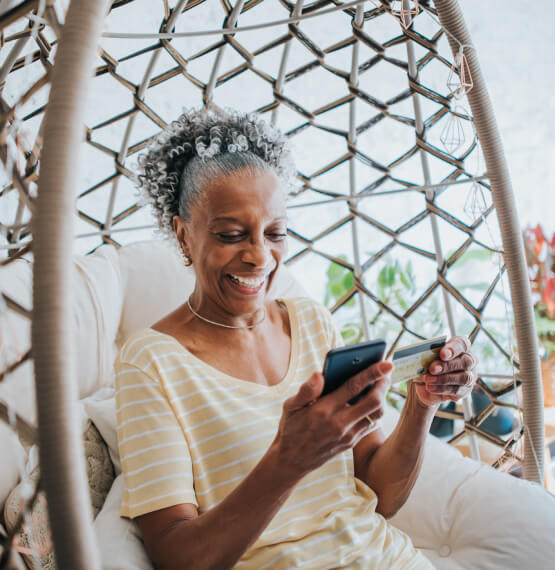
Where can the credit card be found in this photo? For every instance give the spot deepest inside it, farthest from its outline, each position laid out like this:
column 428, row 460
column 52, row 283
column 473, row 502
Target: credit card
column 411, row 361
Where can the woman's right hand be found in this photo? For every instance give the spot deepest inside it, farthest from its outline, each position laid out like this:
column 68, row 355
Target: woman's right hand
column 312, row 430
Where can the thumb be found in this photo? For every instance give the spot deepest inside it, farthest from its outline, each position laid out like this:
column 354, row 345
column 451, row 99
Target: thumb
column 308, row 392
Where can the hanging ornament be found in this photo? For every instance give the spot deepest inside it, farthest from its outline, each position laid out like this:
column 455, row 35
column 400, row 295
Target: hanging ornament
column 452, row 136
column 405, row 11
column 475, row 206
column 460, row 81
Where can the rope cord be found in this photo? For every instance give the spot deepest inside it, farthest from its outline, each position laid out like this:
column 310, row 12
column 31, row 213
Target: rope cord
column 230, row 30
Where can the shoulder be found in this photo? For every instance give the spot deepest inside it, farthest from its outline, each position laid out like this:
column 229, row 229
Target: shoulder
column 141, row 347
column 309, row 311
column 313, row 319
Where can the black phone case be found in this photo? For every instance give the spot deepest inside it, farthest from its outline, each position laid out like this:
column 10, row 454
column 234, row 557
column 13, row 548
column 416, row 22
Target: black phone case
column 343, row 363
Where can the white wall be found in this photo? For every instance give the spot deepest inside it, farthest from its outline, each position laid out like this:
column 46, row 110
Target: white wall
column 516, row 47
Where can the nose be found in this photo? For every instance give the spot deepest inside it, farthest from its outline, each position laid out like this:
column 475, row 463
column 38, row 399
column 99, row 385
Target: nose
column 257, row 252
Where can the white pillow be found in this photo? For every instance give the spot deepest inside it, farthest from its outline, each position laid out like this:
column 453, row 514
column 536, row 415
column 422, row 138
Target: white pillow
column 96, row 313
column 155, row 282
column 465, row 514
column 119, row 539
column 18, row 387
column 98, row 297
column 101, row 409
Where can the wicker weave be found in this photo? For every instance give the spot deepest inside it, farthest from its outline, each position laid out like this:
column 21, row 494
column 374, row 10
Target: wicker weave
column 360, row 202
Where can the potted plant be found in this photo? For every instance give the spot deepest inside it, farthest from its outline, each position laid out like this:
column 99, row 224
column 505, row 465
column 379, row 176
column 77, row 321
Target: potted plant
column 540, row 258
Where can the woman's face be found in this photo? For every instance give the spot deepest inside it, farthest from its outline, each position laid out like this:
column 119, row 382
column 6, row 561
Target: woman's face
column 236, row 239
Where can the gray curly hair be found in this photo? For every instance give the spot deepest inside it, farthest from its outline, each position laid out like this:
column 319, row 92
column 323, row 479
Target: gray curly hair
column 198, row 147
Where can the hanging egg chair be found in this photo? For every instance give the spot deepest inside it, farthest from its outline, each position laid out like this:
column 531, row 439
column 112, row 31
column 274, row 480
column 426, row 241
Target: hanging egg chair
column 403, row 220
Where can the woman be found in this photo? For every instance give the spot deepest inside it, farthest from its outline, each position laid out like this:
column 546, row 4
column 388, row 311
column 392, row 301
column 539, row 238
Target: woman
column 230, row 455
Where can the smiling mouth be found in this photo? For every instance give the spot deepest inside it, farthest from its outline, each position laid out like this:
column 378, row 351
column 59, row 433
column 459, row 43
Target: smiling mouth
column 253, row 284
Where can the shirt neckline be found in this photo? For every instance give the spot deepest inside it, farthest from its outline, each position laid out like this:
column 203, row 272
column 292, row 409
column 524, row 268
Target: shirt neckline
column 247, row 384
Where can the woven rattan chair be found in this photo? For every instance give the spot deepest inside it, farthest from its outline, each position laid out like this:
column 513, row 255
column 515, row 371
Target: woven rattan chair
column 295, row 74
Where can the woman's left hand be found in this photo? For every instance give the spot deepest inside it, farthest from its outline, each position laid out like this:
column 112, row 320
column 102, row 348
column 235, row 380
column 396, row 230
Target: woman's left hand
column 451, row 377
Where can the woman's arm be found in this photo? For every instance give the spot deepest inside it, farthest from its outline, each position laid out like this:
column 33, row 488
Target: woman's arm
column 390, row 467
column 177, row 537
column 312, row 430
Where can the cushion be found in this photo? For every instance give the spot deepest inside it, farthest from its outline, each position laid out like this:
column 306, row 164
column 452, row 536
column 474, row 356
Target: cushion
column 36, row 529
column 101, row 409
column 14, row 562
column 18, row 387
column 155, row 282
column 119, row 539
column 13, row 455
column 100, row 472
column 465, row 514
column 96, row 314
column 97, row 310
column 35, row 532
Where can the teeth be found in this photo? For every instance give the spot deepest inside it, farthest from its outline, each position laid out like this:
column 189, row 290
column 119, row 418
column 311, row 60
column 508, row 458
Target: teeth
column 251, row 283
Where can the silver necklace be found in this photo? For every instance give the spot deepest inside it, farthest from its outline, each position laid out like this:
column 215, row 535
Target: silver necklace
column 221, row 324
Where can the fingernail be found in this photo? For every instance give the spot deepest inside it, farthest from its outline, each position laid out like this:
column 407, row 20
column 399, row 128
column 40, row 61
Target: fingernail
column 436, row 368
column 385, row 367
column 448, row 354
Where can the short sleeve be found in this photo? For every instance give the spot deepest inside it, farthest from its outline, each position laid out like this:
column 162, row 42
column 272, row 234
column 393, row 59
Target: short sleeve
column 155, row 458
column 335, row 339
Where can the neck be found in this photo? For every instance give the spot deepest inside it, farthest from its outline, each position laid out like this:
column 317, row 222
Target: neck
column 226, row 320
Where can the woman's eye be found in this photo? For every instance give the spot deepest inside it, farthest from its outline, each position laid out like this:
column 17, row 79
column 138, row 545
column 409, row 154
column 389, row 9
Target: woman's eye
column 274, row 236
column 230, row 237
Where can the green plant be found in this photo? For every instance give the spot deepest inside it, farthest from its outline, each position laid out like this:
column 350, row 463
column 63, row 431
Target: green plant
column 340, row 280
column 395, row 287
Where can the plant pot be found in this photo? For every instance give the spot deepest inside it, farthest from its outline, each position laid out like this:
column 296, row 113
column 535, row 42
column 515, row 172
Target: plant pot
column 548, row 380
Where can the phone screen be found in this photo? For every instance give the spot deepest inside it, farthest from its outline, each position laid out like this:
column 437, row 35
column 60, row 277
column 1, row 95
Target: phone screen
column 343, row 363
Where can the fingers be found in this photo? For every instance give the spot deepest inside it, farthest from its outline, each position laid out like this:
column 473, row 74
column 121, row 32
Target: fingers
column 371, row 405
column 452, row 386
column 361, row 428
column 454, row 375
column 453, row 347
column 457, row 379
column 364, row 427
column 467, row 361
column 449, row 391
column 308, row 393
column 355, row 385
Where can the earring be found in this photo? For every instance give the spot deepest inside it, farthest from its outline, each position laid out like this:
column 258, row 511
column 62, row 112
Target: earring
column 187, row 261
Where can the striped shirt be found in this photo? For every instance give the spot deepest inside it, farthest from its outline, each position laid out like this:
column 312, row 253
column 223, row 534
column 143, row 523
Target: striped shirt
column 189, row 433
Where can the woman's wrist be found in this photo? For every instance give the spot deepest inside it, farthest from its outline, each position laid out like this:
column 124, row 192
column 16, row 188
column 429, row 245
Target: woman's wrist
column 416, row 414
column 416, row 405
column 284, row 476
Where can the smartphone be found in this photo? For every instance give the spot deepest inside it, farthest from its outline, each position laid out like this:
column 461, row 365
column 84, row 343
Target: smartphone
column 343, row 363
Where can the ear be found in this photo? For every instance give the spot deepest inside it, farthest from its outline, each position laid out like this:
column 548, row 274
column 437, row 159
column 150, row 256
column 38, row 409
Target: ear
column 180, row 227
